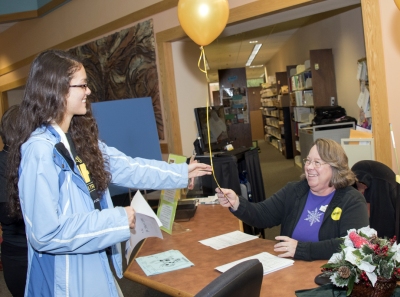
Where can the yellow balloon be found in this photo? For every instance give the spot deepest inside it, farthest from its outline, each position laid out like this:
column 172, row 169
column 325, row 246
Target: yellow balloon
column 397, row 3
column 203, row 20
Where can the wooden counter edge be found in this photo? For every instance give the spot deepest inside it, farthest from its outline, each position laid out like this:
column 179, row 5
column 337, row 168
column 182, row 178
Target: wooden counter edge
column 155, row 285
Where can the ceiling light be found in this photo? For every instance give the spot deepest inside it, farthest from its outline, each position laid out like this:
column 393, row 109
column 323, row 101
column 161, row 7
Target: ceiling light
column 253, row 54
column 253, row 41
column 256, row 66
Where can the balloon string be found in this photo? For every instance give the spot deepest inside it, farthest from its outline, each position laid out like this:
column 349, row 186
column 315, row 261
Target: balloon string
column 203, row 57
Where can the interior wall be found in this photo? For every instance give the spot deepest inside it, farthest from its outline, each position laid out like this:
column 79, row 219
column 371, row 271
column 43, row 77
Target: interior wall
column 191, row 89
column 344, row 34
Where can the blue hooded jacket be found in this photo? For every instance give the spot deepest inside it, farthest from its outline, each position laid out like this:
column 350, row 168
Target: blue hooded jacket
column 67, row 236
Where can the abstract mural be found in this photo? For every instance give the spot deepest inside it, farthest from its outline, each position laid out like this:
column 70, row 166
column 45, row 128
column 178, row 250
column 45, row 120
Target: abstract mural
column 123, row 66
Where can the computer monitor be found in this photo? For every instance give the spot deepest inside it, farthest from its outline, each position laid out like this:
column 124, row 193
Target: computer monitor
column 219, row 124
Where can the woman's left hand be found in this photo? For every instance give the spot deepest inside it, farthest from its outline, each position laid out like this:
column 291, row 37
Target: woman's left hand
column 286, row 245
column 198, row 169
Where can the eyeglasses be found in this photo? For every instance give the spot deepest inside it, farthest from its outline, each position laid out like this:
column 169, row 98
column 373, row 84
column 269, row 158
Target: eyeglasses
column 84, row 86
column 317, row 164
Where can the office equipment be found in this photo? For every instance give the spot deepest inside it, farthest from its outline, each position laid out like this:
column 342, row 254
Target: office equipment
column 242, row 280
column 218, row 128
column 185, row 210
column 358, row 149
column 336, row 132
column 225, row 128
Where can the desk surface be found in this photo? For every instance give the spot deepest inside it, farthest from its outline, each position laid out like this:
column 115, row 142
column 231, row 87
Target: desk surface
column 209, row 221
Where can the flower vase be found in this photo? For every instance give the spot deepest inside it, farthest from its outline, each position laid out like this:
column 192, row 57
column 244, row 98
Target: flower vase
column 384, row 287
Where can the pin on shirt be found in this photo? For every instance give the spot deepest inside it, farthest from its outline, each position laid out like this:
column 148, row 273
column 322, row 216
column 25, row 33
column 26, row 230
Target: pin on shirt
column 323, row 208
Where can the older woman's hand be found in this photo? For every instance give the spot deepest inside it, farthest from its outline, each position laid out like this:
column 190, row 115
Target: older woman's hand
column 287, row 246
column 227, row 198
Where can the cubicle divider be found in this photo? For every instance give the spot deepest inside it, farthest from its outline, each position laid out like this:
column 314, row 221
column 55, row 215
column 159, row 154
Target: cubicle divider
column 130, row 126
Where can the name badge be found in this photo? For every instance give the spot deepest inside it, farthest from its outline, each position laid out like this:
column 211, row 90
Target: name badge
column 323, row 208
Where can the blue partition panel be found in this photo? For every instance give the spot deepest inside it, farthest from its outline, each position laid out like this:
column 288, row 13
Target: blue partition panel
column 130, row 126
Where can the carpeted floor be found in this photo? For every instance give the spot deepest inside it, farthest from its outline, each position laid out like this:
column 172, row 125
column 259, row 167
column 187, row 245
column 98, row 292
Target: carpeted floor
column 276, row 170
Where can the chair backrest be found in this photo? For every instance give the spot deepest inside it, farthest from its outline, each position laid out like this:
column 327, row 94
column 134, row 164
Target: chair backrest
column 242, row 280
column 382, row 193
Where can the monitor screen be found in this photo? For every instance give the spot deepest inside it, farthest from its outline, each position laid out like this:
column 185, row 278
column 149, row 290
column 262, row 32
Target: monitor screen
column 219, row 122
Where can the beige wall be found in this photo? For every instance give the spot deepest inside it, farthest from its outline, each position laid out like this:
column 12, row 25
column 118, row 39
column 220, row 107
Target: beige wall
column 390, row 17
column 191, row 88
column 344, row 34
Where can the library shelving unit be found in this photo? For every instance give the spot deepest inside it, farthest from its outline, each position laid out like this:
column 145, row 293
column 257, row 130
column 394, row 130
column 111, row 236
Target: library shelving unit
column 311, row 85
column 276, row 115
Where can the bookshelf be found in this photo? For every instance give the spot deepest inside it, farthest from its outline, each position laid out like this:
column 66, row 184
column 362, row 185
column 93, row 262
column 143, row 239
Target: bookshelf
column 276, row 114
column 312, row 84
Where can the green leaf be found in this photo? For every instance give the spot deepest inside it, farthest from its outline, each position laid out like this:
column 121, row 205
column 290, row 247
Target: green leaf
column 358, row 254
column 367, row 250
column 363, row 235
column 330, row 265
column 350, row 285
column 386, row 269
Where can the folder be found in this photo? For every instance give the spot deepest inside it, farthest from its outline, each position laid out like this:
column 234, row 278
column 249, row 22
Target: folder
column 359, row 134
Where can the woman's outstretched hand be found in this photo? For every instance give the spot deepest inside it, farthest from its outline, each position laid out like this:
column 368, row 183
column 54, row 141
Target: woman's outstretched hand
column 198, row 169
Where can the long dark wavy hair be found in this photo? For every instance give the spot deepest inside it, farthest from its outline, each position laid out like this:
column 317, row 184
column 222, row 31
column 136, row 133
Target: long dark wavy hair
column 44, row 101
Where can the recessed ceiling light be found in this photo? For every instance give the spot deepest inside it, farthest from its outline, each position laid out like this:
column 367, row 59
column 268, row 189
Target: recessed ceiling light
column 256, row 66
column 253, row 41
column 253, row 53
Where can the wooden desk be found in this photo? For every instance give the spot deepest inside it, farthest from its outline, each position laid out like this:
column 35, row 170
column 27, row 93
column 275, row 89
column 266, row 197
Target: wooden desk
column 209, row 221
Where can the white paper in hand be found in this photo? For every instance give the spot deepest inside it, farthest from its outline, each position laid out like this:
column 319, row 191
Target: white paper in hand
column 147, row 224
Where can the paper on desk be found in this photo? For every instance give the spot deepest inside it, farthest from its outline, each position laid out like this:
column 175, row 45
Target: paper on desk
column 147, row 224
column 209, row 200
column 269, row 262
column 227, row 240
column 163, row 262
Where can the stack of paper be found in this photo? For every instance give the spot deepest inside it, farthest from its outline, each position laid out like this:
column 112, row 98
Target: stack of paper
column 163, row 262
column 269, row 262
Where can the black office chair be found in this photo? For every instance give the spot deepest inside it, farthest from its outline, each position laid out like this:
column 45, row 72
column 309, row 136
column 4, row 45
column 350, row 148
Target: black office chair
column 242, row 280
column 382, row 194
